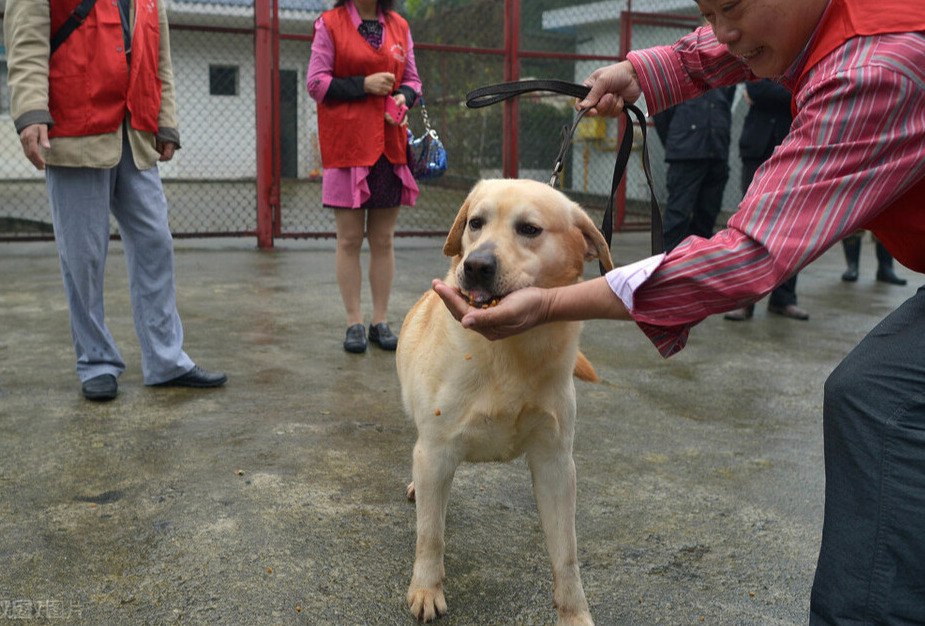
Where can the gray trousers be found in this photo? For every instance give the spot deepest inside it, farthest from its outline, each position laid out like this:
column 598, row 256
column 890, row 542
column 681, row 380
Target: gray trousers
column 871, row 566
column 81, row 200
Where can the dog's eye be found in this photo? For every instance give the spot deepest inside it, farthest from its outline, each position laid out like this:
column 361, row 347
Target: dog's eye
column 528, row 230
column 475, row 223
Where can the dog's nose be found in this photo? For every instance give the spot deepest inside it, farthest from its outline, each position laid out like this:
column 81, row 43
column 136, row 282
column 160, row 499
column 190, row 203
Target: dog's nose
column 480, row 267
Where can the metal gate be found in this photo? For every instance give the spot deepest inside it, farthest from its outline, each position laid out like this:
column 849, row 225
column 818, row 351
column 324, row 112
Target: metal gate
column 250, row 165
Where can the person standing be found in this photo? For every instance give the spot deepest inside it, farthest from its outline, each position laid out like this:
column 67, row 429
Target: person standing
column 696, row 137
column 363, row 56
column 766, row 124
column 97, row 124
column 852, row 248
column 854, row 158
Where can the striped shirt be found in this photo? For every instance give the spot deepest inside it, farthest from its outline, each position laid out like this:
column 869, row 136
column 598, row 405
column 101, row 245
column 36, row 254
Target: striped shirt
column 856, row 144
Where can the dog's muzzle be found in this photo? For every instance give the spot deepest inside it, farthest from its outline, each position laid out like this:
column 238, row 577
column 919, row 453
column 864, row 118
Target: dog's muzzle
column 480, row 269
column 479, row 279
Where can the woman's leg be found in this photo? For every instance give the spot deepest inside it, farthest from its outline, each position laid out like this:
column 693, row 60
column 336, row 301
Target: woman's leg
column 350, row 224
column 381, row 237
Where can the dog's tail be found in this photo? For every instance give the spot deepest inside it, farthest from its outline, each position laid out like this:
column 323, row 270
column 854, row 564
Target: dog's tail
column 584, row 370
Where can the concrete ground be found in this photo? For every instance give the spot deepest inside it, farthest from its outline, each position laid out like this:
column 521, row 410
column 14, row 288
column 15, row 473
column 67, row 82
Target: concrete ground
column 279, row 499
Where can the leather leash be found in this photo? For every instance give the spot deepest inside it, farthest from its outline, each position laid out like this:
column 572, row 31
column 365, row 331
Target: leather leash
column 492, row 94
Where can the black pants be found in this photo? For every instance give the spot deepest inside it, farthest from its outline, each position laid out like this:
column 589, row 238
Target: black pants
column 695, row 197
column 871, row 566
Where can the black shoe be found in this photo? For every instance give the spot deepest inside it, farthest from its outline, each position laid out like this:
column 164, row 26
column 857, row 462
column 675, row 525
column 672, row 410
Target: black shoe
column 887, row 275
column 196, row 377
column 100, row 388
column 851, row 274
column 356, row 339
column 791, row 310
column 852, row 247
column 383, row 335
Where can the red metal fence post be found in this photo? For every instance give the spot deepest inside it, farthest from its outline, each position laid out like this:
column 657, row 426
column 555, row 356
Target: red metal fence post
column 265, row 70
column 626, row 42
column 511, row 73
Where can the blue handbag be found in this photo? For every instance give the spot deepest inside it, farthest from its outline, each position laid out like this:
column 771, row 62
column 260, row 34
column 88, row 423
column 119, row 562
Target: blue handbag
column 426, row 154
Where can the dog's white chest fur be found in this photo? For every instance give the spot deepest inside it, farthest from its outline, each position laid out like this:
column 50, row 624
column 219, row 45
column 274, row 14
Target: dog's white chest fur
column 503, row 410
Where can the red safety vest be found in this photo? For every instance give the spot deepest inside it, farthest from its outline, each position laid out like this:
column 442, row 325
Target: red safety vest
column 901, row 226
column 354, row 133
column 89, row 83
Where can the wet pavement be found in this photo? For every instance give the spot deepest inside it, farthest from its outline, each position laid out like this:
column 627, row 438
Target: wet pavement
column 279, row 499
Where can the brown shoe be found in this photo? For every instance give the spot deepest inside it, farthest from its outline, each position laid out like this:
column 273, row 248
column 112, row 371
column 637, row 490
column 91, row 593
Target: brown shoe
column 740, row 315
column 791, row 310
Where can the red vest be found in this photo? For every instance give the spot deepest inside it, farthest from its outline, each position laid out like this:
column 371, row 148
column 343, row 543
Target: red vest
column 901, row 226
column 354, row 133
column 89, row 83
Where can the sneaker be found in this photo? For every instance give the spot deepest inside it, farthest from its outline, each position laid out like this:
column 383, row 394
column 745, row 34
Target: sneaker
column 356, row 339
column 383, row 335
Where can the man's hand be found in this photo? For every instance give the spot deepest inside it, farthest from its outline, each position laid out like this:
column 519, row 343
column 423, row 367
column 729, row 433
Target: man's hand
column 517, row 312
column 526, row 308
column 165, row 149
column 611, row 86
column 33, row 139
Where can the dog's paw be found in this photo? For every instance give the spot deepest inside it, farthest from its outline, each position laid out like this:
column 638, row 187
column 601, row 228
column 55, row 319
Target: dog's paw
column 409, row 492
column 426, row 604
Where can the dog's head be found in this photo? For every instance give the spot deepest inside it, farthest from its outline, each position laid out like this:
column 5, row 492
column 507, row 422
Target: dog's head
column 511, row 234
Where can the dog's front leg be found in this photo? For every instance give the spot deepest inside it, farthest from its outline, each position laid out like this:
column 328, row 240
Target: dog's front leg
column 432, row 472
column 554, row 488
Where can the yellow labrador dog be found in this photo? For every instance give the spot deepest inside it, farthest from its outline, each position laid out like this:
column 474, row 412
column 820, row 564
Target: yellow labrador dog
column 477, row 400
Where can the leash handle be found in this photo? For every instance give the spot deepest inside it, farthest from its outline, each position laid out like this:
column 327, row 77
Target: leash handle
column 492, row 94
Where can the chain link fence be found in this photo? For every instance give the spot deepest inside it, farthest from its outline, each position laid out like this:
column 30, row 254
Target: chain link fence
column 213, row 183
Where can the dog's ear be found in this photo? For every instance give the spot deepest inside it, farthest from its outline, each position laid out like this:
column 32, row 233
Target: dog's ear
column 453, row 244
column 597, row 245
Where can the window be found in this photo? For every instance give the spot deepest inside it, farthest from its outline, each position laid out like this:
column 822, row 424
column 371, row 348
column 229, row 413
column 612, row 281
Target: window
column 223, row 80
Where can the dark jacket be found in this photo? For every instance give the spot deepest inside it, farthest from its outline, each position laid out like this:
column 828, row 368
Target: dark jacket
column 698, row 128
column 767, row 121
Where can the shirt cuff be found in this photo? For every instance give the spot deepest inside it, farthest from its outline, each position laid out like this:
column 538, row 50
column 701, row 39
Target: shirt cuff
column 167, row 134
column 624, row 281
column 33, row 117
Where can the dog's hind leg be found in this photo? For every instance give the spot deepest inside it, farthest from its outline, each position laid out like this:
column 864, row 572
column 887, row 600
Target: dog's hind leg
column 554, row 486
column 432, row 473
